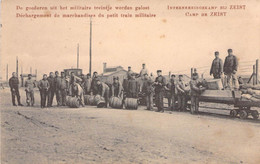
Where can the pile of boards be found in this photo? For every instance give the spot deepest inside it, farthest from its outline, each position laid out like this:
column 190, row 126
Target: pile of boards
column 250, row 92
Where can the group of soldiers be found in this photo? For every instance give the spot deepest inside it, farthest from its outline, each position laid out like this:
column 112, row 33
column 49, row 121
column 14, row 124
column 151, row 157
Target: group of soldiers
column 177, row 88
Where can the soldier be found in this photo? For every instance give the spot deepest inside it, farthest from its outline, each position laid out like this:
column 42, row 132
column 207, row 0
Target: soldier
column 62, row 89
column 181, row 94
column 57, row 91
column 87, row 84
column 133, row 87
column 94, row 89
column 43, row 88
column 14, row 86
column 117, row 87
column 195, row 90
column 148, row 90
column 216, row 67
column 129, row 73
column 77, row 91
column 51, row 90
column 172, row 90
column 230, row 69
column 160, row 83
column 103, row 91
column 29, row 84
column 143, row 71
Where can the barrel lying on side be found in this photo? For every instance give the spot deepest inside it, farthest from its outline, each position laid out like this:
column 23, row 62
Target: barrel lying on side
column 72, row 102
column 131, row 103
column 101, row 103
column 97, row 98
column 116, row 102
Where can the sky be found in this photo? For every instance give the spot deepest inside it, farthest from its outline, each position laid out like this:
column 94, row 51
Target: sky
column 170, row 42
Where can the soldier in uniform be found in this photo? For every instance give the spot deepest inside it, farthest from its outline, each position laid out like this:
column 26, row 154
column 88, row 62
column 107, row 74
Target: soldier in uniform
column 129, row 73
column 181, row 93
column 87, row 84
column 195, row 90
column 62, row 89
column 216, row 67
column 51, row 90
column 143, row 71
column 14, row 86
column 94, row 88
column 160, row 84
column 77, row 91
column 117, row 87
column 43, row 88
column 148, row 90
column 133, row 87
column 29, row 84
column 172, row 92
column 57, row 91
column 230, row 70
column 103, row 91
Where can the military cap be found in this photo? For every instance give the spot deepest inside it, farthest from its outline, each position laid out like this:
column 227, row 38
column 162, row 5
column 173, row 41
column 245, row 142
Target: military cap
column 230, row 50
column 180, row 75
column 129, row 66
column 195, row 74
column 216, row 52
column 88, row 74
column 56, row 71
column 159, row 70
column 62, row 72
column 172, row 75
column 29, row 74
column 94, row 72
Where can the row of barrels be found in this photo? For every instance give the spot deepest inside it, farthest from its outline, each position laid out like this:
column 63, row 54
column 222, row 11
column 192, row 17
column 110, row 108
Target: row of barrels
column 97, row 100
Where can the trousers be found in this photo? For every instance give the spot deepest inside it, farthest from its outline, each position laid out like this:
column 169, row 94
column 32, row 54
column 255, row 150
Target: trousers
column 149, row 101
column 50, row 97
column 232, row 82
column 194, row 104
column 15, row 93
column 30, row 98
column 182, row 101
column 159, row 100
column 43, row 94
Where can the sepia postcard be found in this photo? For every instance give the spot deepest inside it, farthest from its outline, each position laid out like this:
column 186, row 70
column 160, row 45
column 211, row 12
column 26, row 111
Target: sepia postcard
column 130, row 81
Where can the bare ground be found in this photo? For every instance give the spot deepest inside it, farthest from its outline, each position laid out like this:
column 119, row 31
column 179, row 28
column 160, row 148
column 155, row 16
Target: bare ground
column 92, row 135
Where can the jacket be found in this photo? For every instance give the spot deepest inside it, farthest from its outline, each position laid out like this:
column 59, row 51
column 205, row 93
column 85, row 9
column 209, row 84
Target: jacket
column 216, row 66
column 147, row 87
column 51, row 81
column 14, row 82
column 116, row 87
column 43, row 85
column 231, row 64
column 194, row 88
column 161, row 83
column 180, row 87
column 86, row 84
column 29, row 84
column 132, row 86
column 61, row 83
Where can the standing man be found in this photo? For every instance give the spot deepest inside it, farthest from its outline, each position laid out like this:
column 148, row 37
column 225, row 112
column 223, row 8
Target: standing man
column 143, row 71
column 129, row 73
column 180, row 87
column 172, row 90
column 230, row 70
column 29, row 84
column 148, row 90
column 116, row 88
column 87, row 84
column 61, row 89
column 103, row 91
column 57, row 91
column 77, row 91
column 216, row 67
column 195, row 91
column 51, row 90
column 43, row 88
column 94, row 88
column 133, row 87
column 14, row 86
column 160, row 83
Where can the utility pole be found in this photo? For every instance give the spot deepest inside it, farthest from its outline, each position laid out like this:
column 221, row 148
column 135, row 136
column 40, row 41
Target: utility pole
column 256, row 65
column 90, row 52
column 17, row 65
column 7, row 72
column 78, row 57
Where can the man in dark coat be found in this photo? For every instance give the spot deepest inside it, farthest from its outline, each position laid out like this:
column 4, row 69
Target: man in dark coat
column 181, row 93
column 51, row 90
column 133, row 87
column 230, row 70
column 14, row 87
column 57, row 91
column 160, row 83
column 43, row 88
column 62, row 86
column 172, row 92
column 87, row 84
column 216, row 67
column 148, row 89
column 94, row 88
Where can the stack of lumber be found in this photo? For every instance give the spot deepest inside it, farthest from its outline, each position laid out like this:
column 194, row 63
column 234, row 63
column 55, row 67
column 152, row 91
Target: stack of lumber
column 251, row 92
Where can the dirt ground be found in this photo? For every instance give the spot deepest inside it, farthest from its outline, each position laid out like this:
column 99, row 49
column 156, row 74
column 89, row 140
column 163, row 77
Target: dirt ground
column 92, row 135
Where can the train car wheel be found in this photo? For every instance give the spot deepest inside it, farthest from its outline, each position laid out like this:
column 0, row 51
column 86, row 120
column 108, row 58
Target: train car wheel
column 243, row 114
column 233, row 113
column 255, row 114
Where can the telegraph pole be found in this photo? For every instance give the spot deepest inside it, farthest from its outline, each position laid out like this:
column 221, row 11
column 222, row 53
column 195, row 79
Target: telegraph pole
column 90, row 52
column 17, row 65
column 78, row 57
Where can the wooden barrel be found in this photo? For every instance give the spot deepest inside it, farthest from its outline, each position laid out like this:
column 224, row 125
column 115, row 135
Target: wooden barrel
column 91, row 100
column 116, row 102
column 101, row 103
column 97, row 98
column 73, row 102
column 131, row 103
column 86, row 99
